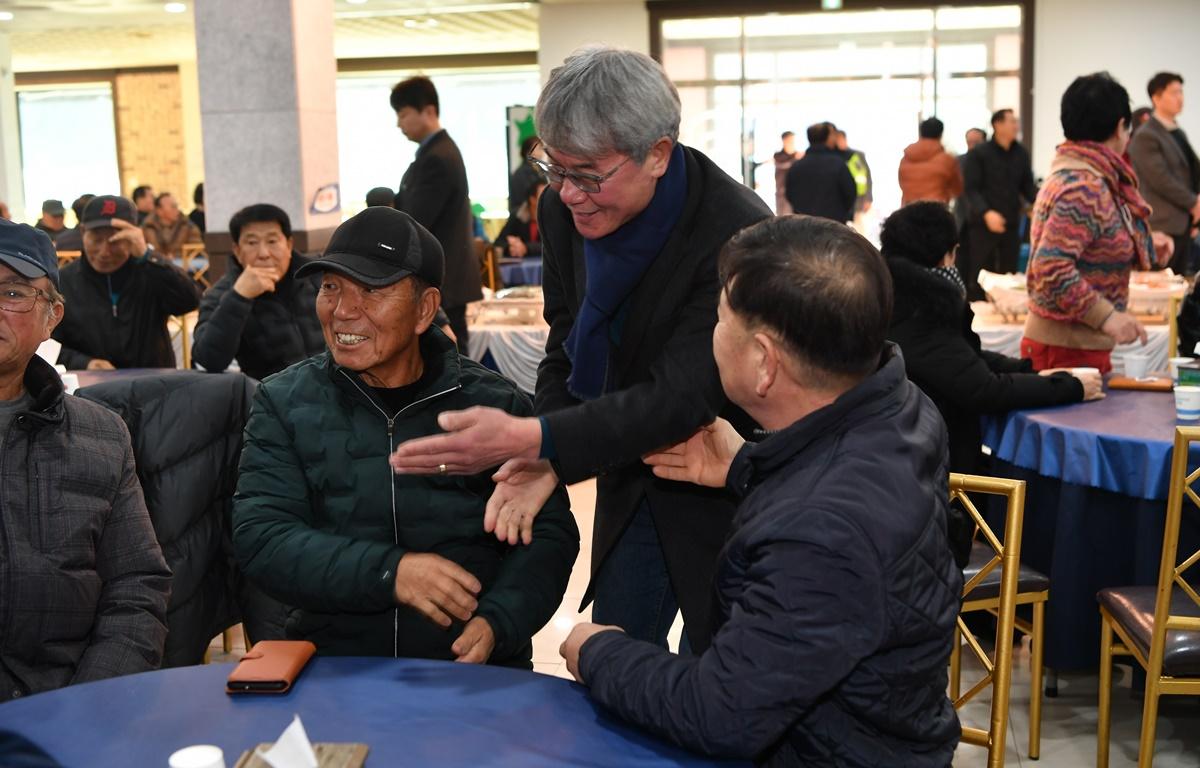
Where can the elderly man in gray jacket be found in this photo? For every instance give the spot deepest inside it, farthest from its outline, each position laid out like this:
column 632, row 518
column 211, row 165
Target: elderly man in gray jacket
column 83, row 583
column 1168, row 168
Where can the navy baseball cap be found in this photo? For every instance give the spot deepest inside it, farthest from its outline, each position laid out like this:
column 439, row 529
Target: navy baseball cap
column 381, row 246
column 27, row 251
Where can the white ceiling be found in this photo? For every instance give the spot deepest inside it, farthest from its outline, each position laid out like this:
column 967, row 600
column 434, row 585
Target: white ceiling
column 49, row 35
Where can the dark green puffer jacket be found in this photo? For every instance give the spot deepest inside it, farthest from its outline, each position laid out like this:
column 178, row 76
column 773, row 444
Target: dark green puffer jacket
column 320, row 520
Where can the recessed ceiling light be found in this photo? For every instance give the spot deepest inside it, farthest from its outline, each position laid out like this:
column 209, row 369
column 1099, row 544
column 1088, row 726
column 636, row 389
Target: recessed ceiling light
column 175, row 7
column 6, row 16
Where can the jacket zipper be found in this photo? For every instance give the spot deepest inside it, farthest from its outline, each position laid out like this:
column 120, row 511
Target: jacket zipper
column 391, row 425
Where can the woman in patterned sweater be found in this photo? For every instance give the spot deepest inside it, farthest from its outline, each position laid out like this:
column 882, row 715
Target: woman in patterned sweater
column 1090, row 229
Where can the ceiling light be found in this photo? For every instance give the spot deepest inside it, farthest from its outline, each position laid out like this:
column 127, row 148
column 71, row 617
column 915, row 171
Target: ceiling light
column 6, row 16
column 175, row 7
column 356, row 2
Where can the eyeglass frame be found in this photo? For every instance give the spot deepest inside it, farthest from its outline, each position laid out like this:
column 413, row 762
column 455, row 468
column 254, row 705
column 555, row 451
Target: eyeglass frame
column 37, row 293
column 575, row 177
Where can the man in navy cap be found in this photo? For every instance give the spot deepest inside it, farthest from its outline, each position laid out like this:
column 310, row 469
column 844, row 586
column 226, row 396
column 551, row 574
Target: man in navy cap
column 120, row 295
column 82, row 579
column 52, row 222
column 378, row 564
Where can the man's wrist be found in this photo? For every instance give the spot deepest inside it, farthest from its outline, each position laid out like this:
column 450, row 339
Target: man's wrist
column 529, row 437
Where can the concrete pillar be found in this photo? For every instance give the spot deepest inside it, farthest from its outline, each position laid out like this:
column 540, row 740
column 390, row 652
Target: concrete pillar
column 12, row 190
column 566, row 26
column 267, row 77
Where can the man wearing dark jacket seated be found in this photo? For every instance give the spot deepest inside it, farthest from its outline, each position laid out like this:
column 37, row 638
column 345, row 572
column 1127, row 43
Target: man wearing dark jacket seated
column 402, row 567
column 931, row 322
column 836, row 594
column 259, row 312
column 83, row 583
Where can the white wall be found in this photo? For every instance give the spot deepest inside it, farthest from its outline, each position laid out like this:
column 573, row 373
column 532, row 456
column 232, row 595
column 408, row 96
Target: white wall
column 565, row 26
column 12, row 191
column 1130, row 39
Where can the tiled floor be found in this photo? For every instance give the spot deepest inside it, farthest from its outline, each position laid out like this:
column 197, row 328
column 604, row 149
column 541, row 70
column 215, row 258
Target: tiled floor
column 1068, row 722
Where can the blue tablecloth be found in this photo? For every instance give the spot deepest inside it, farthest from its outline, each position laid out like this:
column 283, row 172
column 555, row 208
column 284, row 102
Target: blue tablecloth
column 1120, row 444
column 410, row 713
column 523, row 272
column 1097, row 476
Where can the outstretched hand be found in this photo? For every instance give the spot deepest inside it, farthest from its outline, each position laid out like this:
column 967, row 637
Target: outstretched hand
column 476, row 439
column 703, row 458
column 522, row 489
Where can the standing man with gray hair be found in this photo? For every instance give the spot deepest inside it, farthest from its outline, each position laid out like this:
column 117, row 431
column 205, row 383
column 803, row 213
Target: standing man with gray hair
column 631, row 227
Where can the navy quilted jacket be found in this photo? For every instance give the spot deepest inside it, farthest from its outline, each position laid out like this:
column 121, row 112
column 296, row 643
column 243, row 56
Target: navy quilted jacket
column 836, row 597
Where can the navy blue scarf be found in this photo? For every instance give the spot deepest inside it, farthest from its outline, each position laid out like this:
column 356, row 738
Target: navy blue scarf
column 615, row 265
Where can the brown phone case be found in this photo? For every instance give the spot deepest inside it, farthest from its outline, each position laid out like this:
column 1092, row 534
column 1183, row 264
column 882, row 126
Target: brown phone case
column 271, row 666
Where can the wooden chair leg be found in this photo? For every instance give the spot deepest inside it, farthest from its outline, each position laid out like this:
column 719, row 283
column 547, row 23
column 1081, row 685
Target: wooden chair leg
column 227, row 640
column 1035, row 680
column 1104, row 709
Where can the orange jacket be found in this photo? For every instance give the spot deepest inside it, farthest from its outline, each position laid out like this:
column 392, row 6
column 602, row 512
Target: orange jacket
column 929, row 172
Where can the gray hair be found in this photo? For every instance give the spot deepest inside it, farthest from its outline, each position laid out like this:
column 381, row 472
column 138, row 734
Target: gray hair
column 55, row 298
column 605, row 99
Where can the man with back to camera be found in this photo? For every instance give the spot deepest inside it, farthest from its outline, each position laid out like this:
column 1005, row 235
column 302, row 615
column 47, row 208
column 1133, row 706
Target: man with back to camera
column 83, row 583
column 119, row 295
column 259, row 311
column 1168, row 169
column 820, row 183
column 434, row 192
column 375, row 564
column 927, row 171
column 836, row 595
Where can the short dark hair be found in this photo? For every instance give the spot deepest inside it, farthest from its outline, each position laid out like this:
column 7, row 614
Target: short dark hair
column 1093, row 107
column 416, row 92
column 384, row 196
column 819, row 285
column 980, row 131
column 81, row 203
column 931, row 128
column 159, row 198
column 259, row 213
column 140, row 192
column 922, row 232
column 999, row 115
column 198, row 194
column 1159, row 82
column 784, row 136
column 818, row 133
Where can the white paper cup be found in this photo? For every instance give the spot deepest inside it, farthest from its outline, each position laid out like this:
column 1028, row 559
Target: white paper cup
column 199, row 756
column 1084, row 371
column 70, row 382
column 1187, row 403
column 1173, row 366
column 1137, row 366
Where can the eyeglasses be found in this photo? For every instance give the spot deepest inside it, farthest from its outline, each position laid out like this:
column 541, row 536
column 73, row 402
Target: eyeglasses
column 585, row 182
column 20, row 297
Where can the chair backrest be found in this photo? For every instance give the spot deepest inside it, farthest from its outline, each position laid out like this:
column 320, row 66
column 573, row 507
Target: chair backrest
column 1007, row 557
column 182, row 327
column 487, row 264
column 1171, row 568
column 66, row 257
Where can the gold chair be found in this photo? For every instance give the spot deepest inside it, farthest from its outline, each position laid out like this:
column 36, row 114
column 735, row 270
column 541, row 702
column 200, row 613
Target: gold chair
column 488, row 267
column 1159, row 626
column 66, row 257
column 1033, row 589
column 1173, row 327
column 1006, row 556
column 188, row 254
column 182, row 327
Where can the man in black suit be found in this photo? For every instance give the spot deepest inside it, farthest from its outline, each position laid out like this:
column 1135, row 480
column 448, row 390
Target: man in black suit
column 434, row 192
column 631, row 226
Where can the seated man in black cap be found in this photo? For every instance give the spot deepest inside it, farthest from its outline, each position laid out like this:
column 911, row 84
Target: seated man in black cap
column 120, row 295
column 52, row 222
column 377, row 564
column 83, row 583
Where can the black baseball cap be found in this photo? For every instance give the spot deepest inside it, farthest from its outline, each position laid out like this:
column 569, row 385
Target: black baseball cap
column 381, row 246
column 28, row 251
column 102, row 210
column 53, row 207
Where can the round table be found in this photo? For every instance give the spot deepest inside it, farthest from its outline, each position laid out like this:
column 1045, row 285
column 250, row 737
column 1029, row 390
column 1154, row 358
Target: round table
column 1097, row 476
column 515, row 351
column 410, row 712
column 527, row 271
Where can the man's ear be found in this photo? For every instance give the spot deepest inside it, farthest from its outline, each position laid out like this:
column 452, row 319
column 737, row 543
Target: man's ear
column 767, row 364
column 659, row 157
column 57, row 310
column 427, row 307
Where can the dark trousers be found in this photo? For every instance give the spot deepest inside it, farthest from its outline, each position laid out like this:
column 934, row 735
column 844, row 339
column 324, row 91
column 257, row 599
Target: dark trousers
column 458, row 324
column 632, row 589
column 1181, row 261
